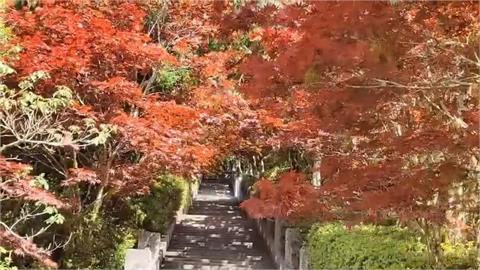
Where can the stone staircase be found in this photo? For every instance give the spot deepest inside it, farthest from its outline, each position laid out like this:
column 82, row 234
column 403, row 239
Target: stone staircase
column 215, row 235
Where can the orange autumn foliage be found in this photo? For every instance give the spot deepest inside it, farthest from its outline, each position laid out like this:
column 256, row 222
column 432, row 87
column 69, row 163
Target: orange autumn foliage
column 362, row 91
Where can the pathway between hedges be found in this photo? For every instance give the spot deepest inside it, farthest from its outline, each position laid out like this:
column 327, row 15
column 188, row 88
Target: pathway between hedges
column 215, row 235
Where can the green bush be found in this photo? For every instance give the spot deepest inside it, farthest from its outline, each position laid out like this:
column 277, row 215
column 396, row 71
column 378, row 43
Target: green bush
column 248, row 181
column 99, row 244
column 6, row 259
column 365, row 247
column 167, row 196
column 7, row 49
column 5, row 33
column 216, row 45
column 241, row 43
column 274, row 172
column 459, row 255
column 172, row 80
column 102, row 243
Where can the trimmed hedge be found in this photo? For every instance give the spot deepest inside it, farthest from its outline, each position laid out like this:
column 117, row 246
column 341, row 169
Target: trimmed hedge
column 168, row 195
column 365, row 247
column 380, row 247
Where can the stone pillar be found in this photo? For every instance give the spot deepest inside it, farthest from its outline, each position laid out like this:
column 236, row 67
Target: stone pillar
column 139, row 259
column 269, row 232
column 152, row 242
column 304, row 261
column 278, row 243
column 198, row 182
column 293, row 243
column 237, row 184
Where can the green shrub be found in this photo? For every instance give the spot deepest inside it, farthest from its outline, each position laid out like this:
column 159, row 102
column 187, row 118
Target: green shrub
column 171, row 80
column 244, row 44
column 167, row 196
column 365, row 247
column 99, row 244
column 216, row 45
column 274, row 172
column 6, row 259
column 102, row 243
column 459, row 255
column 248, row 181
column 6, row 48
column 5, row 33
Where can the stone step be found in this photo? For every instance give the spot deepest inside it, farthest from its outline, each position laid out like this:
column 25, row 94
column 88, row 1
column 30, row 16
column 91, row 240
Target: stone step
column 214, row 247
column 226, row 211
column 219, row 227
column 253, row 255
column 216, row 241
column 214, row 262
column 216, row 214
column 220, row 204
column 237, row 230
column 186, row 248
column 207, row 220
column 212, row 223
column 174, row 265
column 212, row 230
column 207, row 251
column 211, row 237
column 209, row 261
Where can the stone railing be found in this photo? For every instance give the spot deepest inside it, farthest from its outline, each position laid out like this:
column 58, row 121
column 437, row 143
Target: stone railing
column 152, row 246
column 149, row 252
column 285, row 243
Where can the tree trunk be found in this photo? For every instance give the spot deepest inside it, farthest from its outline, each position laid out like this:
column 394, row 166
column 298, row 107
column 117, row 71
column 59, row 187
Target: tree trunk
column 317, row 177
column 97, row 204
column 432, row 237
column 105, row 172
column 477, row 199
column 239, row 166
column 478, row 224
column 262, row 166
column 434, row 240
column 478, row 245
column 256, row 172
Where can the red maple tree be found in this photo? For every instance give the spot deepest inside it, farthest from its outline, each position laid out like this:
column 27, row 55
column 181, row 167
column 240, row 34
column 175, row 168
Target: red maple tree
column 364, row 91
